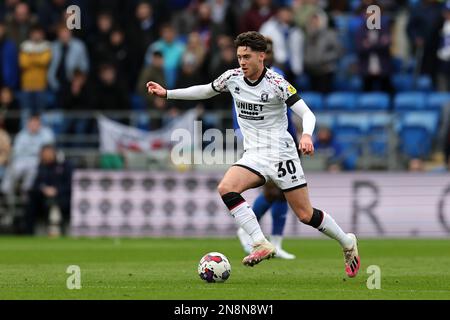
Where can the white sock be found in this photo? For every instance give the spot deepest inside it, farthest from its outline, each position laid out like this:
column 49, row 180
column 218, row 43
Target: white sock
column 246, row 219
column 276, row 240
column 331, row 229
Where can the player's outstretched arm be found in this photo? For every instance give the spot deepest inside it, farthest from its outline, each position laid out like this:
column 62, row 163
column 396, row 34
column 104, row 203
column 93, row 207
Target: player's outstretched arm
column 199, row 92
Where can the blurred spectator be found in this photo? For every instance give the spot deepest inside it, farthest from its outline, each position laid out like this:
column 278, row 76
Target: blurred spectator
column 423, row 31
column 51, row 190
column 142, row 32
column 34, row 60
column 184, row 21
column 225, row 14
column 68, row 55
column 188, row 76
column 9, row 111
column 25, row 155
column 374, row 57
column 5, row 150
column 110, row 93
column 153, row 72
column 98, row 42
column 120, row 55
column 9, row 65
column 322, row 51
column 256, row 15
column 51, row 13
column 443, row 52
column 416, row 165
column 78, row 97
column 304, row 10
column 172, row 51
column 19, row 23
column 225, row 61
column 326, row 145
column 288, row 41
column 7, row 8
column 205, row 25
column 195, row 52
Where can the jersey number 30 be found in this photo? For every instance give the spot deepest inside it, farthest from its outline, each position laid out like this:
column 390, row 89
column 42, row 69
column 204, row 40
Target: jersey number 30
column 290, row 166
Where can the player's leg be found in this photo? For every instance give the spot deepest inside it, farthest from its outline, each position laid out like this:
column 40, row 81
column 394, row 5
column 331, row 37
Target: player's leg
column 260, row 206
column 298, row 199
column 236, row 180
column 279, row 214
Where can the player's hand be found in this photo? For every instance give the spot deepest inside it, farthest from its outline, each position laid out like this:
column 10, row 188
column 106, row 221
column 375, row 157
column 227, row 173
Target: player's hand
column 156, row 89
column 306, row 145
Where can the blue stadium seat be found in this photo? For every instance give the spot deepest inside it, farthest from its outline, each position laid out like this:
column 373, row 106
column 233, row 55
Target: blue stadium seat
column 403, row 82
column 341, row 101
column 348, row 140
column 437, row 100
column 411, row 100
column 424, row 84
column 314, row 100
column 415, row 141
column 378, row 133
column 350, row 84
column 426, row 119
column 342, row 26
column 360, row 120
column 373, row 101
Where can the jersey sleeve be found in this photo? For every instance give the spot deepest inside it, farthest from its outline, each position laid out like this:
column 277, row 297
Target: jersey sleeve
column 221, row 83
column 285, row 91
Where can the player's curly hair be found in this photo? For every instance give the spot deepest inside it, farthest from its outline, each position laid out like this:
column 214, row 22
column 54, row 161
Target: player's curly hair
column 252, row 39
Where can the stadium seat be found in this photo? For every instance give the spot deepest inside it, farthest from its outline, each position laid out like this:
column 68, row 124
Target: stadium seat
column 403, row 82
column 348, row 138
column 373, row 101
column 350, row 84
column 424, row 84
column 342, row 26
column 415, row 141
column 378, row 133
column 411, row 100
column 360, row 120
column 314, row 100
column 437, row 100
column 426, row 119
column 341, row 101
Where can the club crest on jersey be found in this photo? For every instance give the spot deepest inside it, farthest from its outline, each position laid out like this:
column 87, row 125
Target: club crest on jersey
column 237, row 90
column 291, row 89
column 264, row 96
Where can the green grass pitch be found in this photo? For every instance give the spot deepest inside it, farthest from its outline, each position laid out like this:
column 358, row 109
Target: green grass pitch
column 35, row 268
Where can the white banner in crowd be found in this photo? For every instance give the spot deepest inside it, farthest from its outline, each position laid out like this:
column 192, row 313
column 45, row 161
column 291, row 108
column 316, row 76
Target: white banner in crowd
column 108, row 203
column 116, row 137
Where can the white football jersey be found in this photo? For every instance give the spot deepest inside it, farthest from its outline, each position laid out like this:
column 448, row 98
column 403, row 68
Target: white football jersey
column 261, row 110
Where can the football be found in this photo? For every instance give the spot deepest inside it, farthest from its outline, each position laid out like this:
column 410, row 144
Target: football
column 214, row 267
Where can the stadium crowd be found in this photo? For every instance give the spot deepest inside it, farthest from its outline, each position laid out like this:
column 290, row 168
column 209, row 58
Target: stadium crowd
column 323, row 47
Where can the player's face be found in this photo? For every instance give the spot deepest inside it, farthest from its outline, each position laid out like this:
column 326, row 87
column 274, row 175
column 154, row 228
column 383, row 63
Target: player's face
column 251, row 62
